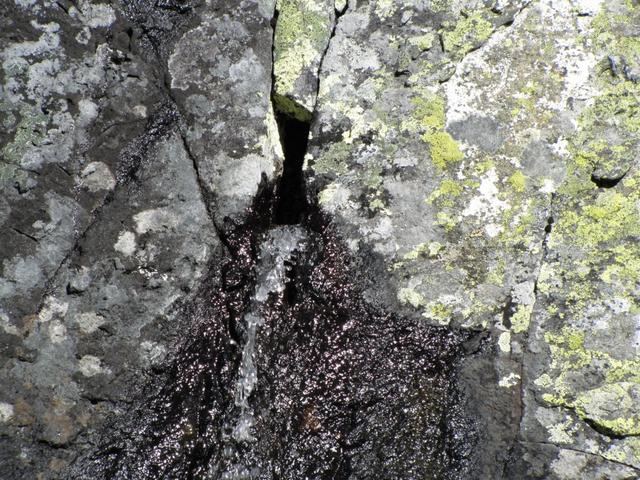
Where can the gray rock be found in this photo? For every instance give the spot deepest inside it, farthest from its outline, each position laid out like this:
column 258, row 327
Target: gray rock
column 477, row 158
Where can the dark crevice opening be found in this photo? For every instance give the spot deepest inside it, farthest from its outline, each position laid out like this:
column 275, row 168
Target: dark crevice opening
column 291, row 202
column 508, row 311
column 291, row 205
column 602, row 182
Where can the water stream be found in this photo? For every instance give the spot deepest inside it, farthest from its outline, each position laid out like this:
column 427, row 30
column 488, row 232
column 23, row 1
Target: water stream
column 271, row 274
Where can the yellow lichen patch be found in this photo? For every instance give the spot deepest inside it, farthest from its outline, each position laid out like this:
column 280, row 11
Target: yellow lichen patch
column 446, row 221
column 467, row 34
column 445, row 194
column 423, row 42
column 438, row 311
column 428, row 119
column 409, row 296
column 625, row 268
column 613, row 216
column 301, row 34
column 521, row 318
column 444, row 149
column 518, row 181
column 615, row 408
column 621, row 379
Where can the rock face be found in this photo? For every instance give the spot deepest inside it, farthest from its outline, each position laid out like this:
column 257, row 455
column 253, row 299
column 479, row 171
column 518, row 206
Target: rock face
column 478, row 159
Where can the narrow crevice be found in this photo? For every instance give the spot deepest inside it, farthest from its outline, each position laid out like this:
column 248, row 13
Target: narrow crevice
column 338, row 14
column 205, row 194
column 577, row 450
column 606, row 432
column 547, row 233
column 508, row 310
column 604, row 182
column 548, row 228
column 24, row 234
column 291, row 204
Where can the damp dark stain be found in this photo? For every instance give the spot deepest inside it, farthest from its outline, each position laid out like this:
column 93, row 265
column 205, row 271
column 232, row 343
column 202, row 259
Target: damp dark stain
column 345, row 389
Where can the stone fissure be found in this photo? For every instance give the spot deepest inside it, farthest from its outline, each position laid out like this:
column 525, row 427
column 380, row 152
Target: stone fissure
column 20, row 232
column 338, row 15
column 291, row 201
column 606, row 182
column 308, row 258
column 205, row 194
column 583, row 452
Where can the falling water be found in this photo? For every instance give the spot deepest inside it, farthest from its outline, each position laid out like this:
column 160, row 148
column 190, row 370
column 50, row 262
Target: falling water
column 271, row 274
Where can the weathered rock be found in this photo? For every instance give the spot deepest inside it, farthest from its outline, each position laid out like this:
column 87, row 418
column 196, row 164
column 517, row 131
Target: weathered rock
column 301, row 38
column 107, row 199
column 221, row 80
column 466, row 148
column 478, row 158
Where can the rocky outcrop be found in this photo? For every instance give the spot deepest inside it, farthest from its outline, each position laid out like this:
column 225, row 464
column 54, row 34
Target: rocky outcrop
column 485, row 154
column 110, row 205
column 477, row 159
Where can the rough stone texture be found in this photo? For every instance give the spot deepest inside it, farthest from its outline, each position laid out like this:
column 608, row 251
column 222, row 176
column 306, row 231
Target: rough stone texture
column 476, row 149
column 301, row 37
column 107, row 198
column 480, row 155
column 221, row 81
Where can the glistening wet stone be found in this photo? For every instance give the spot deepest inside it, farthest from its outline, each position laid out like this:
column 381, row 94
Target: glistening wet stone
column 344, row 390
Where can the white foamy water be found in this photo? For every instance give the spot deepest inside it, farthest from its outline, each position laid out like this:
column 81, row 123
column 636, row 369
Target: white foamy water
column 271, row 276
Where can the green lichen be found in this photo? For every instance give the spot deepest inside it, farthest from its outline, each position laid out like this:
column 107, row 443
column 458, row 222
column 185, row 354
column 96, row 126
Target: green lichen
column 301, row 35
column 439, row 312
column 613, row 216
column 614, row 408
column 423, row 42
column 518, row 181
column 334, row 159
column 467, row 34
column 443, row 148
column 521, row 318
column 428, row 114
column 291, row 107
column 609, row 129
column 495, row 275
column 428, row 119
column 625, row 268
column 446, row 220
column 445, row 194
column 409, row 296
column 518, row 224
column 615, row 110
column 569, row 358
column 31, row 131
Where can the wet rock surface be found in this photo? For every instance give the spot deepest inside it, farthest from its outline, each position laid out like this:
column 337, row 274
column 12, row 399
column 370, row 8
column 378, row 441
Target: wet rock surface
column 463, row 300
column 343, row 390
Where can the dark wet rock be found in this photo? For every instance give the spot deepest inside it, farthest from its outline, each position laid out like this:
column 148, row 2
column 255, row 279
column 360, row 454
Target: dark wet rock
column 343, row 389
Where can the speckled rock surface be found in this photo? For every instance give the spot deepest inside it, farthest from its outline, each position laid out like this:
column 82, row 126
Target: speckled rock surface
column 479, row 156
column 112, row 166
column 486, row 154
